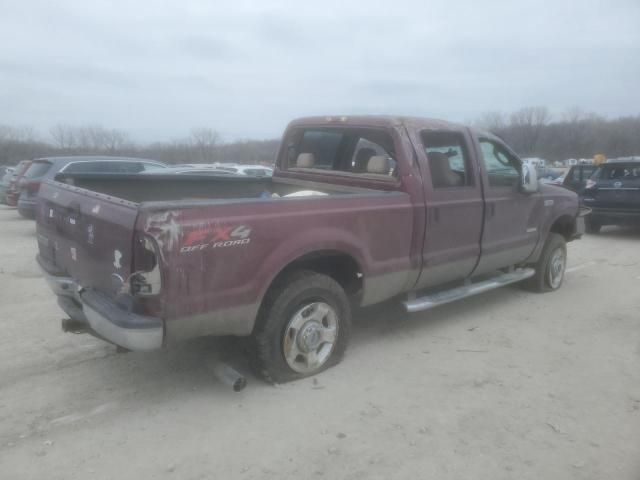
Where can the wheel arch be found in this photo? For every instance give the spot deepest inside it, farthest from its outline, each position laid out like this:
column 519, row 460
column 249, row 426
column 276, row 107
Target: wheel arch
column 337, row 264
column 563, row 225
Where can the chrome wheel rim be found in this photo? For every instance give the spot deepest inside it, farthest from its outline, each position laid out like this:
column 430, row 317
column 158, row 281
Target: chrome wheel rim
column 310, row 337
column 557, row 265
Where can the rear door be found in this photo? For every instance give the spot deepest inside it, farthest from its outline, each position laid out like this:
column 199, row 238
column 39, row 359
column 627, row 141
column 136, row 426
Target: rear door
column 87, row 235
column 454, row 206
column 511, row 222
column 618, row 186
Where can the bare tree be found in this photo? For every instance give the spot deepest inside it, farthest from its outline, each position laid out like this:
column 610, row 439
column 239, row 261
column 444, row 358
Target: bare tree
column 493, row 121
column 527, row 124
column 64, row 136
column 205, row 141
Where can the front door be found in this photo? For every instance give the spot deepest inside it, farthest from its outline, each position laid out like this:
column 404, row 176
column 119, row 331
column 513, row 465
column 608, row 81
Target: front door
column 511, row 221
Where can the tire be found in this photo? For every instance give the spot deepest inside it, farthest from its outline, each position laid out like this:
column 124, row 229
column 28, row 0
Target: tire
column 302, row 328
column 592, row 226
column 546, row 278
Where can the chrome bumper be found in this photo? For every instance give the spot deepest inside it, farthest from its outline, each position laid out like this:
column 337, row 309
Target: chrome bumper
column 106, row 318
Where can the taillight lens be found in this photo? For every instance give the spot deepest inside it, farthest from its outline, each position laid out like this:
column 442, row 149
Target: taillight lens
column 32, row 187
column 590, row 184
column 145, row 279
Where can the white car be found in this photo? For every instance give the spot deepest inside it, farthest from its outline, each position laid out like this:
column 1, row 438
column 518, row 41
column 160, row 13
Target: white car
column 249, row 170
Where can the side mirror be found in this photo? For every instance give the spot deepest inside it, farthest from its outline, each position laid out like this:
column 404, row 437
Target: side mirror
column 529, row 178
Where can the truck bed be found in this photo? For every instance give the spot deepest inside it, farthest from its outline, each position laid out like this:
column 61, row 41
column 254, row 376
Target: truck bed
column 163, row 187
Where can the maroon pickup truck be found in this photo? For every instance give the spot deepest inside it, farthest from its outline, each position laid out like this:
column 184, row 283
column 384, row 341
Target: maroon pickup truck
column 359, row 210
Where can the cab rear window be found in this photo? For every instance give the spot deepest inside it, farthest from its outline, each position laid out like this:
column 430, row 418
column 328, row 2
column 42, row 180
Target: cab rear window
column 355, row 151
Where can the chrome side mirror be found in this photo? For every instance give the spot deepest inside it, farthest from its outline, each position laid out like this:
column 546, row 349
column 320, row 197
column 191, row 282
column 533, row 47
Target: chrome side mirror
column 529, row 178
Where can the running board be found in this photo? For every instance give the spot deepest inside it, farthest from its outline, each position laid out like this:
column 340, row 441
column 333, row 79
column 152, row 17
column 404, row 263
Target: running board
column 468, row 290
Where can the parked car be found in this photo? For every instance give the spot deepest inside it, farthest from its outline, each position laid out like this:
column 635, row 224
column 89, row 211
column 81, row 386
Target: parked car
column 188, row 171
column 46, row 168
column 250, row 170
column 576, row 178
column 359, row 210
column 613, row 195
column 12, row 191
column 5, row 178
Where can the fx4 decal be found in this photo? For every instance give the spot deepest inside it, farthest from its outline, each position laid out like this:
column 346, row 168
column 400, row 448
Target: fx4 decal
column 217, row 237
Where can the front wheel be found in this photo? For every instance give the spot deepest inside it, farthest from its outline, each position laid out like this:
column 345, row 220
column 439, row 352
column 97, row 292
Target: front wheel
column 302, row 328
column 551, row 266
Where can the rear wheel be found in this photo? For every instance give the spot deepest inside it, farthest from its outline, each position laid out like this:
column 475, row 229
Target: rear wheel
column 302, row 328
column 551, row 266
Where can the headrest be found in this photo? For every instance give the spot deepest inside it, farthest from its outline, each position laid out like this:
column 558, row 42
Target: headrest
column 379, row 164
column 439, row 158
column 305, row 160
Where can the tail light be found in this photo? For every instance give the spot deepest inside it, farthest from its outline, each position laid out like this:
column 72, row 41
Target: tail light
column 590, row 184
column 145, row 279
column 31, row 187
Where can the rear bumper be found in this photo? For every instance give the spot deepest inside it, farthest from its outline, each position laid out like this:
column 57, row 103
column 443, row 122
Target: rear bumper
column 105, row 317
column 27, row 208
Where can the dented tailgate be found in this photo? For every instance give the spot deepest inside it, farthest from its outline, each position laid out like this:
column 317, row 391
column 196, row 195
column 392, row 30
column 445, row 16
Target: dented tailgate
column 86, row 235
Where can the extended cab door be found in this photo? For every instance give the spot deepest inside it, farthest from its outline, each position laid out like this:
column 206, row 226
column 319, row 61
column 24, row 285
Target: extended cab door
column 454, row 205
column 511, row 221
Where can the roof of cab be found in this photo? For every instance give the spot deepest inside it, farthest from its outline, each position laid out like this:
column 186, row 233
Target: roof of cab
column 377, row 121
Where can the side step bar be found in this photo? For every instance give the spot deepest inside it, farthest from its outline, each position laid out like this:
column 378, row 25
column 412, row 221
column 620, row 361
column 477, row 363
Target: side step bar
column 468, row 290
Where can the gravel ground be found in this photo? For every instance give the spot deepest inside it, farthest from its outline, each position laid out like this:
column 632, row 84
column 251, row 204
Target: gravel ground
column 505, row 385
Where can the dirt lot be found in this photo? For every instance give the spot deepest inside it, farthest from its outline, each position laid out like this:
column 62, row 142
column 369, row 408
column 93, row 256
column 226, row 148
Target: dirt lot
column 505, row 385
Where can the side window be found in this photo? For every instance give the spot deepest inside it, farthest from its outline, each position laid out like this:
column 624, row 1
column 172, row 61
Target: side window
column 503, row 169
column 448, row 159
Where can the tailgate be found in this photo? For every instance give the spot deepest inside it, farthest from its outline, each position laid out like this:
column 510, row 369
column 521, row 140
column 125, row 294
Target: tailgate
column 86, row 235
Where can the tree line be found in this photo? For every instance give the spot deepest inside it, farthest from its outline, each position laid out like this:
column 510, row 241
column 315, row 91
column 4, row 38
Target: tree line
column 531, row 131
column 203, row 145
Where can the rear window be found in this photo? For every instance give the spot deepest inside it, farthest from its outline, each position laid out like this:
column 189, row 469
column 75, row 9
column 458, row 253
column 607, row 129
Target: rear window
column 350, row 150
column 37, row 169
column 21, row 167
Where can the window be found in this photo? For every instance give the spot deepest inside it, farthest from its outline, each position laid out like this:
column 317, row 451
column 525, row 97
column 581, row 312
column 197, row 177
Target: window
column 622, row 172
column 37, row 169
column 357, row 151
column 448, row 159
column 503, row 169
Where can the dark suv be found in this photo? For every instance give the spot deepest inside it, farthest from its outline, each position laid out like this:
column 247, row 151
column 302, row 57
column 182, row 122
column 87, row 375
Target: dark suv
column 613, row 194
column 43, row 169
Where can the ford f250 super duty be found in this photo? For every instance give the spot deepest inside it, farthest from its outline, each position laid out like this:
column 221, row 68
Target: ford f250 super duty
column 359, row 210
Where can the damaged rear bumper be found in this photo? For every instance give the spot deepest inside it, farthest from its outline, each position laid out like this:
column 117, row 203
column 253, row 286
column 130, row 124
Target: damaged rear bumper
column 102, row 315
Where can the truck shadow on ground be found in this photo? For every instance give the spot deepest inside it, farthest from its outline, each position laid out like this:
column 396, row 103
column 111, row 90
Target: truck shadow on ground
column 183, row 368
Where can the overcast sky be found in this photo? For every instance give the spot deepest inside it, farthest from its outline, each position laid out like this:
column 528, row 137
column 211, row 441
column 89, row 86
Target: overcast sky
column 157, row 69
